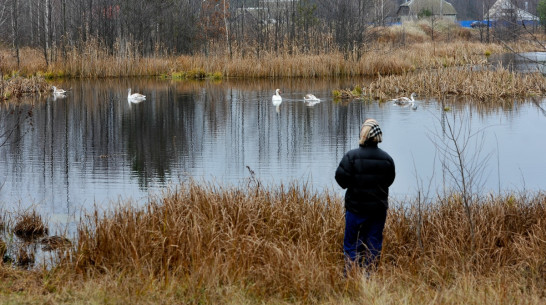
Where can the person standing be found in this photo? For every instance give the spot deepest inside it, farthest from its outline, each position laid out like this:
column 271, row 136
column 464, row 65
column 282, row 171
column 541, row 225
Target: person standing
column 366, row 172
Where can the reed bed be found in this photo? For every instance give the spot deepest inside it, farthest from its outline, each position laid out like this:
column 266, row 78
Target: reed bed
column 480, row 84
column 377, row 59
column 255, row 245
column 17, row 87
column 93, row 61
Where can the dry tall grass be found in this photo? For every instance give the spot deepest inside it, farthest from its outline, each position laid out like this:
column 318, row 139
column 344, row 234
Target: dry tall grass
column 285, row 244
column 253, row 245
column 491, row 85
column 382, row 58
column 273, row 242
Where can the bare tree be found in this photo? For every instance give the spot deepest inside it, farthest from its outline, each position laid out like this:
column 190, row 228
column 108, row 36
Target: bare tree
column 463, row 159
column 15, row 29
column 4, row 12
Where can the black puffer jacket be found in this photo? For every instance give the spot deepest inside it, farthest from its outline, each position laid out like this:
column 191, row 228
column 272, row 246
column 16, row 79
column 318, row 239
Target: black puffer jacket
column 366, row 172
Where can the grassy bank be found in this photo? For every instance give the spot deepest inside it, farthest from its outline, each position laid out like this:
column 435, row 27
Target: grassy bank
column 253, row 245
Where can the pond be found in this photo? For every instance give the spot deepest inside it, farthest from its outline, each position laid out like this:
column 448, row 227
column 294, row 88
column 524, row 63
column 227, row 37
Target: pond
column 93, row 148
column 521, row 62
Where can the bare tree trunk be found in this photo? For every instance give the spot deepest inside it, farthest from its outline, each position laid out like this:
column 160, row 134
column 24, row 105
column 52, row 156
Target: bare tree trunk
column 488, row 26
column 242, row 30
column 15, row 29
column 46, row 32
column 50, row 30
column 63, row 36
column 31, row 17
column 227, row 31
column 90, row 19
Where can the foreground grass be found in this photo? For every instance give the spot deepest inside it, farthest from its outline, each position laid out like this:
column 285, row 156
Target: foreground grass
column 254, row 245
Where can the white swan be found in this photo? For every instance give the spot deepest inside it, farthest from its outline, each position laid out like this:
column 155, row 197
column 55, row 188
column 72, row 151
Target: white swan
column 57, row 90
column 135, row 97
column 310, row 97
column 404, row 101
column 277, row 99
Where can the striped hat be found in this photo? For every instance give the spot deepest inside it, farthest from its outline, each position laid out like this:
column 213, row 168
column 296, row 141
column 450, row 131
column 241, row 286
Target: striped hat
column 370, row 132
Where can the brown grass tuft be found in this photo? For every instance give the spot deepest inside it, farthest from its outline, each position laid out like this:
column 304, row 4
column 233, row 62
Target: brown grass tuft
column 29, row 226
column 55, row 242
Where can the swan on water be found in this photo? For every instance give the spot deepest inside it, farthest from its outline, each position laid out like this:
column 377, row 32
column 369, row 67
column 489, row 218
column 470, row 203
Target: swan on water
column 404, row 101
column 135, row 97
column 310, row 97
column 277, row 99
column 57, row 90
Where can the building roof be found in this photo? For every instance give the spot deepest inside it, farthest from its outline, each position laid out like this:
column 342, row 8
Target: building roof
column 505, row 8
column 436, row 7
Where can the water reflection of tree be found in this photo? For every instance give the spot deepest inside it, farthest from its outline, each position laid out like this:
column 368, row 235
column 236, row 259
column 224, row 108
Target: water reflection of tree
column 14, row 117
column 157, row 132
column 482, row 108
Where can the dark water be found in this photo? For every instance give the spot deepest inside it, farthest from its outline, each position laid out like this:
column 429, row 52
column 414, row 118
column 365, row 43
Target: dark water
column 521, row 62
column 93, row 148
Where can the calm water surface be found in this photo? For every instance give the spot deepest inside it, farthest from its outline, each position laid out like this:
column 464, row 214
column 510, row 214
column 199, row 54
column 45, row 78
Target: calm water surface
column 522, row 62
column 93, row 148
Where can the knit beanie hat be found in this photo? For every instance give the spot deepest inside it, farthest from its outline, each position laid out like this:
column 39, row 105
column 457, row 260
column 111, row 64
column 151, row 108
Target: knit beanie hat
column 370, row 132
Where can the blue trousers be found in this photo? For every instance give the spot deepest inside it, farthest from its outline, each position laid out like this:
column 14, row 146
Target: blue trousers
column 363, row 238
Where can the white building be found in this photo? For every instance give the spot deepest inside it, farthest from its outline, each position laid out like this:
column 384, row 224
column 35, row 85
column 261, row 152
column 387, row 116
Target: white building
column 505, row 10
column 412, row 9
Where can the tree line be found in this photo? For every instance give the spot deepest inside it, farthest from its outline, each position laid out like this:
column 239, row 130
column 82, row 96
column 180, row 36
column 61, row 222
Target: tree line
column 146, row 27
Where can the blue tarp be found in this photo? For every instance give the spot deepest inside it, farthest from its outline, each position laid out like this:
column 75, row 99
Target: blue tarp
column 492, row 23
column 466, row 23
